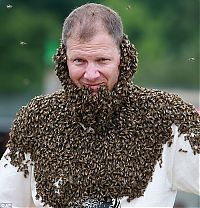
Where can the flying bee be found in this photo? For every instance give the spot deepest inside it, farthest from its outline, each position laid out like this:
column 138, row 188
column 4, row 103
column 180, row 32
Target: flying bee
column 9, row 6
column 128, row 7
column 192, row 59
column 22, row 43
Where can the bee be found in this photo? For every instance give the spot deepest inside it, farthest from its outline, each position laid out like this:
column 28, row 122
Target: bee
column 181, row 150
column 128, row 7
column 192, row 59
column 6, row 157
column 169, row 143
column 22, row 43
column 160, row 163
column 9, row 6
column 84, row 128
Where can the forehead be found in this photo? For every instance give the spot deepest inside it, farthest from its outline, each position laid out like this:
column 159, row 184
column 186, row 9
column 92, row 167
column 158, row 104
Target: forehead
column 101, row 42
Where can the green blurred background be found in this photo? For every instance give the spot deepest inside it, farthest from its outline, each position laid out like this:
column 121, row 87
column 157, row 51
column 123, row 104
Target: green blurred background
column 166, row 34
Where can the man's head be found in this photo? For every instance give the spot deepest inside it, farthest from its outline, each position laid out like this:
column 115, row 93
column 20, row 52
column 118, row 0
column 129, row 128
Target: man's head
column 92, row 35
column 85, row 21
column 91, row 58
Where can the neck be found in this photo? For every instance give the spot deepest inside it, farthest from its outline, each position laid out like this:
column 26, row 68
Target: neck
column 94, row 110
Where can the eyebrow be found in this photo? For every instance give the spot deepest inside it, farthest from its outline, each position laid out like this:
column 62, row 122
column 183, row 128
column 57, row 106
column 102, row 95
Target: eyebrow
column 82, row 55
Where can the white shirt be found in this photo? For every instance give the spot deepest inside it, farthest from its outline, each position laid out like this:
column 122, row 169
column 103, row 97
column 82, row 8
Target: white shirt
column 179, row 171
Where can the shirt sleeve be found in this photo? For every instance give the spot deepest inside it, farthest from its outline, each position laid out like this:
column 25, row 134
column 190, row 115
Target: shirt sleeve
column 15, row 188
column 185, row 167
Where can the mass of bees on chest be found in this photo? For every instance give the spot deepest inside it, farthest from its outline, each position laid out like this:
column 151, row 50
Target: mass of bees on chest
column 103, row 151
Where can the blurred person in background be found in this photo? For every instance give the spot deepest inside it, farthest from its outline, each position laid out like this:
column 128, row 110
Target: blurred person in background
column 101, row 141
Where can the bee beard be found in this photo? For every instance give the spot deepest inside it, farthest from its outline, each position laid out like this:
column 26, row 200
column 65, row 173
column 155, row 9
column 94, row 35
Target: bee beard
column 91, row 109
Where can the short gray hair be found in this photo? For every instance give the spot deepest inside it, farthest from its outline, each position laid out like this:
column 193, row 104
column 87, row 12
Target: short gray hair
column 86, row 19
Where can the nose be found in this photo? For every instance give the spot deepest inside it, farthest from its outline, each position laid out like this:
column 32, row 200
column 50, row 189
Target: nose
column 91, row 72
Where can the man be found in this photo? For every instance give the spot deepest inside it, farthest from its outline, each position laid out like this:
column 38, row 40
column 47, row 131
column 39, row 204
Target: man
column 100, row 142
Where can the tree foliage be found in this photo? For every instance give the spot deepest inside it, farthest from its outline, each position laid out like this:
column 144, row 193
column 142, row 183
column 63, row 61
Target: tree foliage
column 166, row 34
column 22, row 38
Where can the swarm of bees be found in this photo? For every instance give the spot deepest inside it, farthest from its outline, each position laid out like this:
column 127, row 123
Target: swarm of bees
column 98, row 147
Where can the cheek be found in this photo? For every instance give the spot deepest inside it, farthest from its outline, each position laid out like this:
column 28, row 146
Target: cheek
column 115, row 76
column 73, row 72
column 116, row 70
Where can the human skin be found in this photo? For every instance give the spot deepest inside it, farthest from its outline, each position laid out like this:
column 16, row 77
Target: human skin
column 95, row 62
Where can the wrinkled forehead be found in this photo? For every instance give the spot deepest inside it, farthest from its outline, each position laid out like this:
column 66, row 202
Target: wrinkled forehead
column 85, row 32
column 97, row 38
column 100, row 43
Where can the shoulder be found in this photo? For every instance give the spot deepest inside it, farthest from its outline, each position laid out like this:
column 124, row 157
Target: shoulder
column 28, row 116
column 155, row 94
column 41, row 102
column 168, row 109
column 154, row 99
column 159, row 99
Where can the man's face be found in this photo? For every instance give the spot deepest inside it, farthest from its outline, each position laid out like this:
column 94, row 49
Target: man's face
column 93, row 63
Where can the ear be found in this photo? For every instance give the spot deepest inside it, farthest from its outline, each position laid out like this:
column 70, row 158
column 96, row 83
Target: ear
column 128, row 59
column 61, row 67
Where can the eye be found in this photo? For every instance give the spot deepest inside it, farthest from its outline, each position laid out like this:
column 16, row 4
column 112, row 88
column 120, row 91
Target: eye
column 78, row 61
column 103, row 60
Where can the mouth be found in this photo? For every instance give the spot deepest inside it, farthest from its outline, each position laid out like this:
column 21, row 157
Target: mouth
column 94, row 87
